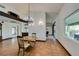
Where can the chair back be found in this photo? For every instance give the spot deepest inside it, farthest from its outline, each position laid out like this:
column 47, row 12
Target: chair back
column 34, row 40
column 34, row 36
column 20, row 42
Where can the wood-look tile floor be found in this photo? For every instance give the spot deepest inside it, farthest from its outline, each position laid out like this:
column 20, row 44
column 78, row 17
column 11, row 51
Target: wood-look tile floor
column 48, row 48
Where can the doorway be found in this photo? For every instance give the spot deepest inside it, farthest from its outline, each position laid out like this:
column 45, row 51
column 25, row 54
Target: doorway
column 53, row 29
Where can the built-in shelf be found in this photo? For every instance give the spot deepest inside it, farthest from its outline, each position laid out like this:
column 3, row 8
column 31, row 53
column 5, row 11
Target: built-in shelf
column 12, row 17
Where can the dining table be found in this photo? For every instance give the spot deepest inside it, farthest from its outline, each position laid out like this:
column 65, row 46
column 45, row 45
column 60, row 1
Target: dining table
column 29, row 38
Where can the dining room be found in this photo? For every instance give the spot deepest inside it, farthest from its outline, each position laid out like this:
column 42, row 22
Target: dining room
column 24, row 33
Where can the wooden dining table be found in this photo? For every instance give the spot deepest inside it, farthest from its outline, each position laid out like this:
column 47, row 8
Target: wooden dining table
column 29, row 38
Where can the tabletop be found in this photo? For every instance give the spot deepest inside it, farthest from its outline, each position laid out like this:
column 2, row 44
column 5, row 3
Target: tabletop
column 29, row 38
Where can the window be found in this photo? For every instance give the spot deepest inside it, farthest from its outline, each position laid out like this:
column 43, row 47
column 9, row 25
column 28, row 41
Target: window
column 13, row 30
column 72, row 25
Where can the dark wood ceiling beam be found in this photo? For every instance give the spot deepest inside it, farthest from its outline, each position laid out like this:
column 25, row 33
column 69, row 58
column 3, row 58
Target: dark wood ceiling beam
column 12, row 17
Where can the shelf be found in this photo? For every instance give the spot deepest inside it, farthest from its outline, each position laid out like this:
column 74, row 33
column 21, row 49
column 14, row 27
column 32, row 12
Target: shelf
column 12, row 17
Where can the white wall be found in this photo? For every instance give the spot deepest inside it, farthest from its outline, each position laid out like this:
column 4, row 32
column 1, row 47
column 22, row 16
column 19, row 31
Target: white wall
column 40, row 30
column 71, row 46
column 6, row 30
column 19, row 28
column 49, row 28
column 6, row 27
column 24, row 27
column 49, row 23
column 8, row 24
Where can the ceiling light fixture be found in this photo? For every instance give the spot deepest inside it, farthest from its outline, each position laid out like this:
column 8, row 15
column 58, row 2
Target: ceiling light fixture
column 29, row 18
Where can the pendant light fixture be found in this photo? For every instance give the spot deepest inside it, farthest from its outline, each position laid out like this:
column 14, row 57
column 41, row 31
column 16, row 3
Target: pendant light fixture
column 29, row 18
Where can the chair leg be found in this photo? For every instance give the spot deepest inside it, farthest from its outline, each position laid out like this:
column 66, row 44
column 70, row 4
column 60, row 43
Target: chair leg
column 23, row 52
column 18, row 51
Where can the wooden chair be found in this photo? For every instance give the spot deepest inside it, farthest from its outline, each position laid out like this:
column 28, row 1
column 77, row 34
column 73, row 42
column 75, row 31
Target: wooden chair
column 32, row 43
column 22, row 45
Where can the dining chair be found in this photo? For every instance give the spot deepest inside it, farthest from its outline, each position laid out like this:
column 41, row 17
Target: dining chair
column 34, row 40
column 22, row 45
column 32, row 43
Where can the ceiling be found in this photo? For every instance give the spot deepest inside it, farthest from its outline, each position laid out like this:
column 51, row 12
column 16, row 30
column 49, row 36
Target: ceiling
column 36, row 7
column 51, row 9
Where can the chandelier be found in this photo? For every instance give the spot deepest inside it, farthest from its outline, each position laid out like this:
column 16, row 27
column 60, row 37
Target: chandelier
column 29, row 18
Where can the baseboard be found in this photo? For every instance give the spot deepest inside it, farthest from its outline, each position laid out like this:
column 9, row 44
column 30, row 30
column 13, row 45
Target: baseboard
column 7, row 38
column 64, row 48
column 41, row 40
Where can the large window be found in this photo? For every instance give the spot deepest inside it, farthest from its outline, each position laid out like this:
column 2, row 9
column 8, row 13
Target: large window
column 13, row 30
column 72, row 25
